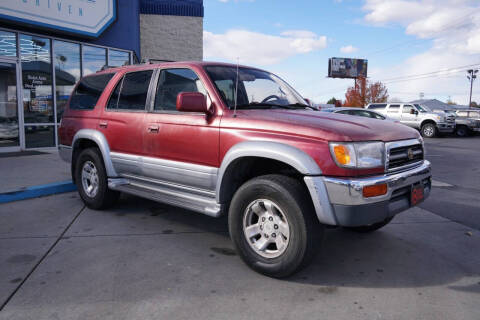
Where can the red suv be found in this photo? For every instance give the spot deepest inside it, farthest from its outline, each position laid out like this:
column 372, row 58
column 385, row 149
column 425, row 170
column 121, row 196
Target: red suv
column 225, row 139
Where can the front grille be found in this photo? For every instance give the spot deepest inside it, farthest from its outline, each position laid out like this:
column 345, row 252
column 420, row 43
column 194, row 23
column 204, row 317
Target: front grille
column 450, row 118
column 399, row 157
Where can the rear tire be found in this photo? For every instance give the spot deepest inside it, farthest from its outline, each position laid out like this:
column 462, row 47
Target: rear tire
column 429, row 130
column 92, row 182
column 278, row 216
column 371, row 227
column 461, row 131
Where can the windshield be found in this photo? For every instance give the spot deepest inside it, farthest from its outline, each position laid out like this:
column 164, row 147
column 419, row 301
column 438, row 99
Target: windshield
column 422, row 108
column 256, row 88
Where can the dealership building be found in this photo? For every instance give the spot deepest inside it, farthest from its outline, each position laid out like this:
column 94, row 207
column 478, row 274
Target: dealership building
column 47, row 45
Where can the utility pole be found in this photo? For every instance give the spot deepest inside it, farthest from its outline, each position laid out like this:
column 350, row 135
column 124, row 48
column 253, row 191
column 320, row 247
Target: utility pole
column 472, row 75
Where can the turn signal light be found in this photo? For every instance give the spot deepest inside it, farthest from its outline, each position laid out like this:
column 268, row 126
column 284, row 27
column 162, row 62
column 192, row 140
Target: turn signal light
column 375, row 190
column 342, row 154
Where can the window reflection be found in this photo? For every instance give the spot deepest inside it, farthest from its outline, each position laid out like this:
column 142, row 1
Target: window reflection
column 39, row 136
column 9, row 136
column 118, row 58
column 8, row 44
column 94, row 59
column 67, row 71
column 37, row 79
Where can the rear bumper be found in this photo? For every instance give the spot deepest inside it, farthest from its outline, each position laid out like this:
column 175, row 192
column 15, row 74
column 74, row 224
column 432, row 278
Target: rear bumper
column 446, row 127
column 339, row 201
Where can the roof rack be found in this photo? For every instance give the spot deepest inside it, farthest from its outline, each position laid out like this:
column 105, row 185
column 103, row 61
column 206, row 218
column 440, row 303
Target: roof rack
column 153, row 60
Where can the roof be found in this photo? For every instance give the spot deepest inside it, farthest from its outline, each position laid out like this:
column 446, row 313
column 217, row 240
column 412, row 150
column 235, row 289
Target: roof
column 181, row 64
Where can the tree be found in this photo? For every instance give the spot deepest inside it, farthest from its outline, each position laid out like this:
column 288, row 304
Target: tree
column 475, row 105
column 365, row 93
column 334, row 101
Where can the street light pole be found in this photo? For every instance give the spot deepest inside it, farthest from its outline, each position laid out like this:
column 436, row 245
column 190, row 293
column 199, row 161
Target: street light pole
column 472, row 75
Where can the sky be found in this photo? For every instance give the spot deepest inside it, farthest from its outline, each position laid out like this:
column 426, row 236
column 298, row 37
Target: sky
column 413, row 47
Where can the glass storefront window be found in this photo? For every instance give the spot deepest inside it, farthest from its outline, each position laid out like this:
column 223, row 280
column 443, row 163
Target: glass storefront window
column 37, row 79
column 39, row 136
column 9, row 136
column 67, row 71
column 8, row 44
column 94, row 59
column 118, row 58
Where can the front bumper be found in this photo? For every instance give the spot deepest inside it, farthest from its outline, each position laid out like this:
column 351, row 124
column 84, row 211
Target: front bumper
column 339, row 201
column 446, row 127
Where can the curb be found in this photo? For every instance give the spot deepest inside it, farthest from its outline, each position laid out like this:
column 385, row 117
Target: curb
column 38, row 191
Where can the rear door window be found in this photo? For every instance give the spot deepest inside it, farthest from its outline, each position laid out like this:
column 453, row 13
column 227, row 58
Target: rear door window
column 88, row 91
column 131, row 92
column 393, row 108
column 377, row 106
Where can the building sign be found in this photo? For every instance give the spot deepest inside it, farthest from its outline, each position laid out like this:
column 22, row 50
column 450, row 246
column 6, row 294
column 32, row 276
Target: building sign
column 347, row 68
column 81, row 17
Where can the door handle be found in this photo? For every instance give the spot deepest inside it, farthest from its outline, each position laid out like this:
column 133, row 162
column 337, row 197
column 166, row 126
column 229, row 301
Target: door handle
column 153, row 129
column 103, row 124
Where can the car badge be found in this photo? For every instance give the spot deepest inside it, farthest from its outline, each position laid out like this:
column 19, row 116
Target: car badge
column 410, row 154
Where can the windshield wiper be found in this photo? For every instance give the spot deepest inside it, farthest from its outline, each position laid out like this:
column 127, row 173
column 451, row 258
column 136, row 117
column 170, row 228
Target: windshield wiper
column 299, row 105
column 266, row 105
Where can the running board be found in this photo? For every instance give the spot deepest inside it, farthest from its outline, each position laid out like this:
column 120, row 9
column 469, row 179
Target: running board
column 169, row 194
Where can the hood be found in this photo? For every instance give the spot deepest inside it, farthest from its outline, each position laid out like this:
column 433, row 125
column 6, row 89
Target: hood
column 320, row 125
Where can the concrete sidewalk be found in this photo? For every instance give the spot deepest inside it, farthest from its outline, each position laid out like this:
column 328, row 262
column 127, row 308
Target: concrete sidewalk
column 144, row 260
column 21, row 170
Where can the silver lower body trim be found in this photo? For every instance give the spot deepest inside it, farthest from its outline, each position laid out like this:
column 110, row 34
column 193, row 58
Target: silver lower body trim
column 65, row 152
column 202, row 201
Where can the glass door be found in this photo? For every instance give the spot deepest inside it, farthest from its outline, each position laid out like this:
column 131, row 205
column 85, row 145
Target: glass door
column 10, row 135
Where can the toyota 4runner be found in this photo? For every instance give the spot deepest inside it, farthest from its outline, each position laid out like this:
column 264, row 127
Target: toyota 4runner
column 224, row 139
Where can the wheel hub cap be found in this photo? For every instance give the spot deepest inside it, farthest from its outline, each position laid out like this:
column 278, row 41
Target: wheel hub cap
column 266, row 228
column 90, row 179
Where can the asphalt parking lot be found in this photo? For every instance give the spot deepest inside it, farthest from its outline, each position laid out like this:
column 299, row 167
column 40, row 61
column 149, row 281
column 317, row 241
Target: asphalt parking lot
column 143, row 260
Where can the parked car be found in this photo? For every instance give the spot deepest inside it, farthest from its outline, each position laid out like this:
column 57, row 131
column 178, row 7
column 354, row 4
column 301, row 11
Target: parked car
column 417, row 116
column 467, row 122
column 176, row 133
column 360, row 112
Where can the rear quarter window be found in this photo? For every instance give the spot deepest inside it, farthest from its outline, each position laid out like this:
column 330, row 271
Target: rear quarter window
column 88, row 91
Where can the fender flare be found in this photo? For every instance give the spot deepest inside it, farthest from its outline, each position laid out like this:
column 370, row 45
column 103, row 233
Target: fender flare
column 97, row 137
column 287, row 154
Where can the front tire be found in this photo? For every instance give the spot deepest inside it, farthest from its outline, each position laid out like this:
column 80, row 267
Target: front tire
column 429, row 130
column 273, row 225
column 92, row 181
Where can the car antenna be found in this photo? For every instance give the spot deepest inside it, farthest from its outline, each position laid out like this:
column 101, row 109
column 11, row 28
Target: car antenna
column 236, row 90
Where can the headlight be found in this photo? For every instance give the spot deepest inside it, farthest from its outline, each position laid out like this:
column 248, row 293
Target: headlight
column 361, row 155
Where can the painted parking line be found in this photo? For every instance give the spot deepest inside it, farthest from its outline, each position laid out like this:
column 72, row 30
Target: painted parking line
column 38, row 191
column 441, row 184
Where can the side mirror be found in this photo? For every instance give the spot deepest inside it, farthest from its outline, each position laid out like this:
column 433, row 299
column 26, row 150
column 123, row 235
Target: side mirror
column 192, row 102
column 308, row 101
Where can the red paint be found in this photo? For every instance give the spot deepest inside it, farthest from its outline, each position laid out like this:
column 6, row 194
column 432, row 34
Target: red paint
column 206, row 138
